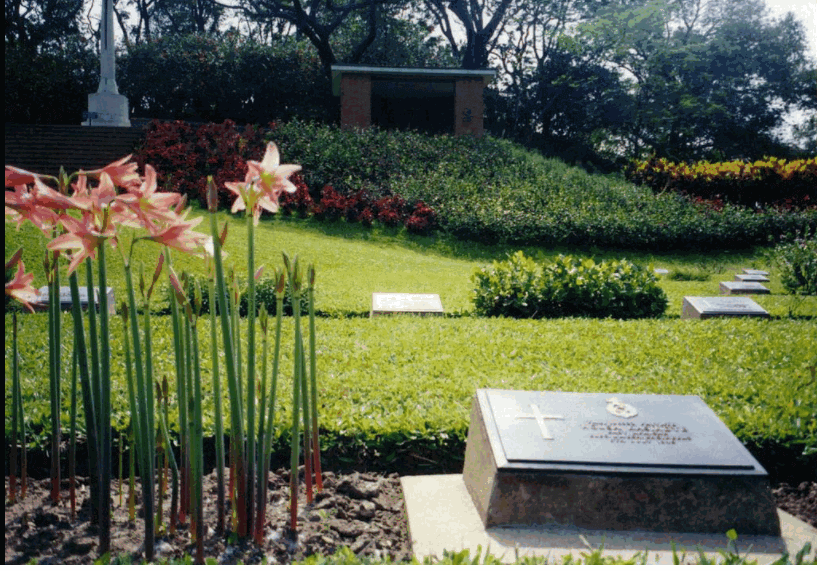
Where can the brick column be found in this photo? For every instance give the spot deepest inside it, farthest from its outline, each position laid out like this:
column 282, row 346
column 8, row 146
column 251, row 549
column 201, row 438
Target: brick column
column 355, row 101
column 468, row 107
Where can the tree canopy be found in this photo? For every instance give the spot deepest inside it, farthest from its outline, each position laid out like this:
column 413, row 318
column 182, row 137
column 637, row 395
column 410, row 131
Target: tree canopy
column 684, row 79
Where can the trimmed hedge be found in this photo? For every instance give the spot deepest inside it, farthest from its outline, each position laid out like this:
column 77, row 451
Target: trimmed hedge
column 569, row 287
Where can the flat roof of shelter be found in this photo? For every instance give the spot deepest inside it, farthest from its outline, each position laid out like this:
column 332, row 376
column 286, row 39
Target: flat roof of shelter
column 487, row 75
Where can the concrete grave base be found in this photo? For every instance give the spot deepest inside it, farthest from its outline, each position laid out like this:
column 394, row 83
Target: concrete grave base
column 442, row 516
column 624, row 497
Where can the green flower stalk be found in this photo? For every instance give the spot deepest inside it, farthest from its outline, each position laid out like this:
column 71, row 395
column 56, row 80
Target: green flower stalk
column 313, row 377
column 236, row 416
column 16, row 419
column 295, row 292
column 135, row 434
column 54, row 362
column 180, row 360
column 18, row 288
column 91, row 387
column 174, row 501
column 211, row 292
column 251, row 310
column 72, row 445
column 264, row 465
column 145, row 438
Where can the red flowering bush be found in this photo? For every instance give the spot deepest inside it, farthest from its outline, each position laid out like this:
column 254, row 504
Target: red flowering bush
column 422, row 220
column 300, row 201
column 332, row 205
column 390, row 210
column 184, row 155
column 366, row 217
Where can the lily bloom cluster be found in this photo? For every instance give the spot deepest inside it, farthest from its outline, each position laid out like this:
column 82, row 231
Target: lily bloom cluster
column 263, row 185
column 92, row 211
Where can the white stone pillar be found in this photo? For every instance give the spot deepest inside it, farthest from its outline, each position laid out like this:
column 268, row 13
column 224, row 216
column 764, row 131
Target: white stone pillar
column 107, row 107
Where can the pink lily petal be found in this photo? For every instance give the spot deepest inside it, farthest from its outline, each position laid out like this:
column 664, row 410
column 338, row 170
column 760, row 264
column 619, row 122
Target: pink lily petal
column 20, row 287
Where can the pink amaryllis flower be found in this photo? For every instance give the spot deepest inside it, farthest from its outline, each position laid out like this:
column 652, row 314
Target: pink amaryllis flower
column 179, row 235
column 147, row 204
column 20, row 287
column 274, row 177
column 36, row 202
column 16, row 177
column 123, row 173
column 263, row 184
column 85, row 236
column 21, row 205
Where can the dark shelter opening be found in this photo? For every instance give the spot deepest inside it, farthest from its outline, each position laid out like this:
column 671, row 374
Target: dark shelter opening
column 425, row 106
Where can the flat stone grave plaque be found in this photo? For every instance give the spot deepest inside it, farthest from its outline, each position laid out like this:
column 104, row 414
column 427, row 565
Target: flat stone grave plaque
column 65, row 298
column 612, row 461
column 406, row 303
column 706, row 307
column 751, row 278
column 661, row 271
column 757, row 272
column 730, row 288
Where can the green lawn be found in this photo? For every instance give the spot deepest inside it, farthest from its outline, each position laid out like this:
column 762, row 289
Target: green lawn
column 417, row 375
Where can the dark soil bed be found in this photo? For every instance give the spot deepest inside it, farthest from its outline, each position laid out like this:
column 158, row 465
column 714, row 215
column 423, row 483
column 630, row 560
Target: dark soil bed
column 363, row 511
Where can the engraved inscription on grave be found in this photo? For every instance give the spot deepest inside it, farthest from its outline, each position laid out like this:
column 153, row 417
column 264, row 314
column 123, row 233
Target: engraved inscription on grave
column 597, row 431
column 416, row 303
column 665, row 433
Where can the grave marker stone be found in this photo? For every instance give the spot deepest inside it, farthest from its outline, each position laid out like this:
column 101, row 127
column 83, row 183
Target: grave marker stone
column 612, row 461
column 758, row 272
column 730, row 288
column 706, row 307
column 751, row 278
column 66, row 302
column 406, row 303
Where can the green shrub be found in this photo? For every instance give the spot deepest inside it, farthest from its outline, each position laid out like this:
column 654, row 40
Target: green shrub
column 797, row 261
column 689, row 275
column 570, row 286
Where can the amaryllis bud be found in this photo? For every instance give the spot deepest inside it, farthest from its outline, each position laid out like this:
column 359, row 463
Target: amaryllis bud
column 157, row 273
column 280, row 282
column 263, row 317
column 181, row 204
column 223, row 237
column 142, row 279
column 174, row 281
column 259, row 272
column 212, row 195
column 310, row 275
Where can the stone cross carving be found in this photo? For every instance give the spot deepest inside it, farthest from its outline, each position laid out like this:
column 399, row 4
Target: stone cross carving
column 540, row 420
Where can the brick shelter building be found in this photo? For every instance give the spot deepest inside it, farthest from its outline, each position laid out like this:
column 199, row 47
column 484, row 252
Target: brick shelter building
column 428, row 100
